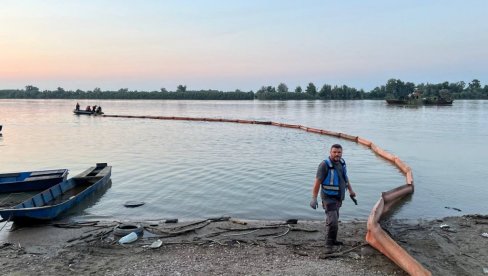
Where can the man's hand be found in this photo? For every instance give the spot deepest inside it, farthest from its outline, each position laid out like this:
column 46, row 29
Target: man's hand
column 313, row 203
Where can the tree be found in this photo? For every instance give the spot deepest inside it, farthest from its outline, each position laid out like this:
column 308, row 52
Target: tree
column 298, row 89
column 267, row 89
column 97, row 90
column 31, row 88
column 311, row 90
column 474, row 85
column 398, row 88
column 282, row 88
column 181, row 88
column 163, row 90
column 325, row 92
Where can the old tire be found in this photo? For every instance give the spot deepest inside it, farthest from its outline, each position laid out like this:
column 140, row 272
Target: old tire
column 126, row 228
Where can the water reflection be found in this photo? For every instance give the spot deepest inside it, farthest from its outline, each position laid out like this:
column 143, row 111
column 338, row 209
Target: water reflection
column 201, row 169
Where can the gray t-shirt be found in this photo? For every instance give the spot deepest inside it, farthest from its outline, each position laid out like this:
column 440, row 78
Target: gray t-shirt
column 322, row 172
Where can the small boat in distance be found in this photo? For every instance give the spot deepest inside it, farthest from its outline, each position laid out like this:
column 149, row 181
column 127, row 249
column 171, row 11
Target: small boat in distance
column 31, row 181
column 56, row 200
column 84, row 112
column 415, row 99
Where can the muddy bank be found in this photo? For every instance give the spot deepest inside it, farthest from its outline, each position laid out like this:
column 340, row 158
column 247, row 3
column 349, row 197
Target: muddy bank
column 223, row 246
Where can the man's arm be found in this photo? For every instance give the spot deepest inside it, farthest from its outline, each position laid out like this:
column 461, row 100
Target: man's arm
column 315, row 192
column 316, row 188
column 349, row 188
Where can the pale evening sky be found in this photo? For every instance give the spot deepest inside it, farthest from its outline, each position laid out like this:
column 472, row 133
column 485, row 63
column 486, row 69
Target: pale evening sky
column 240, row 44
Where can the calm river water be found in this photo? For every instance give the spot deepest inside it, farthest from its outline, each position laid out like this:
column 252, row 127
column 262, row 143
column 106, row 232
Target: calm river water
column 190, row 170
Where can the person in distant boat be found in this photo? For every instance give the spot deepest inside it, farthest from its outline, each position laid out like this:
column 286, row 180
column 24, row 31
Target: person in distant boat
column 332, row 180
column 99, row 110
column 88, row 108
column 77, row 106
column 94, row 108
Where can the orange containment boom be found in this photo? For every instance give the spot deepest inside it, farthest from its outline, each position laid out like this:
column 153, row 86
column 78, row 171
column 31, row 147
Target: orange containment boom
column 375, row 236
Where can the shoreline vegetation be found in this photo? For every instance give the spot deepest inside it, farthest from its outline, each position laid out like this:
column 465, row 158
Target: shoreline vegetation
column 394, row 88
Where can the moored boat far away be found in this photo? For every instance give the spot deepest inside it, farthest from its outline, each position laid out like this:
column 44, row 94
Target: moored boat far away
column 61, row 197
column 84, row 112
column 443, row 98
column 31, row 180
column 89, row 110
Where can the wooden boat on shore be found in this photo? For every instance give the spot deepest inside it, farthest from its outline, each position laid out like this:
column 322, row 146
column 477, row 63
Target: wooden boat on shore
column 56, row 200
column 84, row 112
column 31, row 181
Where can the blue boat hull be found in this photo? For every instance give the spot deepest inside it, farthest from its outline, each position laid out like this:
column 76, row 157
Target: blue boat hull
column 58, row 199
column 31, row 181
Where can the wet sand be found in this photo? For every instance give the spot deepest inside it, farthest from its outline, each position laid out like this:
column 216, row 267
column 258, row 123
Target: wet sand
column 235, row 247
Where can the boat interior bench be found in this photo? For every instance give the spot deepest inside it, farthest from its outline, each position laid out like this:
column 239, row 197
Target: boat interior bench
column 9, row 175
column 47, row 172
column 42, row 177
column 43, row 198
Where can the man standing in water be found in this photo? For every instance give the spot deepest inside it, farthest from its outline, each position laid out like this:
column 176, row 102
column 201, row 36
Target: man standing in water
column 332, row 180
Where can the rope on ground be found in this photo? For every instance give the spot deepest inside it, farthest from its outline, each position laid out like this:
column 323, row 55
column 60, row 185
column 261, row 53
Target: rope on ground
column 339, row 254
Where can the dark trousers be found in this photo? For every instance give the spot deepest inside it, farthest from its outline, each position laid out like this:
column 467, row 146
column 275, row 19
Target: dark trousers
column 331, row 220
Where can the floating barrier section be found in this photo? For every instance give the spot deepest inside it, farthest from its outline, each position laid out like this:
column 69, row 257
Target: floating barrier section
column 375, row 235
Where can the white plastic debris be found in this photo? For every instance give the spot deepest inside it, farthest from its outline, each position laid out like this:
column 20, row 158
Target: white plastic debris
column 485, row 269
column 444, row 226
column 156, row 244
column 132, row 237
column 484, row 235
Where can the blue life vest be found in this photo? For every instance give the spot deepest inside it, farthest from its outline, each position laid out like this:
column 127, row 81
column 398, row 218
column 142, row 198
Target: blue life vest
column 331, row 183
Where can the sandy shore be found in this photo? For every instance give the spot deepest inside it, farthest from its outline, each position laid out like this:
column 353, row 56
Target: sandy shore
column 234, row 247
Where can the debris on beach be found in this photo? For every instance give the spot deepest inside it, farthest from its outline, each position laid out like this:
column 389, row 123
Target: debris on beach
column 453, row 208
column 156, row 244
column 133, row 204
column 444, row 226
column 132, row 237
column 126, row 228
column 485, row 235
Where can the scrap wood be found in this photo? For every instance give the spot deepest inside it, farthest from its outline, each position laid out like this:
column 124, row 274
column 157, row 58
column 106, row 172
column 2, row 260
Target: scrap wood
column 175, row 233
column 74, row 224
column 238, row 234
column 101, row 235
column 82, row 237
column 206, row 221
column 249, row 228
column 186, row 225
column 238, row 221
column 292, row 228
column 477, row 216
column 100, row 226
column 5, row 244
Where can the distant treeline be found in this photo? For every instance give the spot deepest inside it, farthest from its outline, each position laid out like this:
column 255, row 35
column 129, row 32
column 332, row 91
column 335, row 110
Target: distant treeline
column 394, row 88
